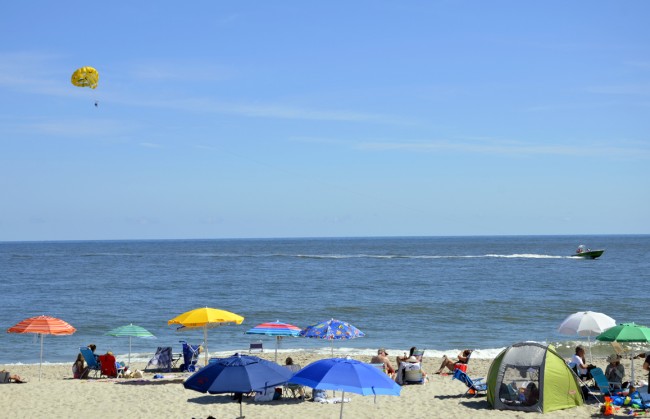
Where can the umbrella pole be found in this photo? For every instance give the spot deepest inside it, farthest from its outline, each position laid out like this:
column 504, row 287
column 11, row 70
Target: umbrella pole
column 40, row 366
column 591, row 360
column 241, row 414
column 342, row 396
column 205, row 340
column 632, row 373
column 129, row 351
column 277, row 343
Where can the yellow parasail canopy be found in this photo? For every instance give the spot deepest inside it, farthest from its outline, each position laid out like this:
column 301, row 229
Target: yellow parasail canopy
column 85, row 77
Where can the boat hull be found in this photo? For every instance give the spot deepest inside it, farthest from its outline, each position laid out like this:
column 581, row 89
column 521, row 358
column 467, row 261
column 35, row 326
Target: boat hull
column 592, row 254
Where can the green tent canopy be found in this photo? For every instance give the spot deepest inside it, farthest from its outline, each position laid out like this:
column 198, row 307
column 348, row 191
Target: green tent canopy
column 532, row 377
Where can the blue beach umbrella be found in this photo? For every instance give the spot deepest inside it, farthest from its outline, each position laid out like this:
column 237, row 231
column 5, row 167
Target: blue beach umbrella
column 237, row 374
column 346, row 375
column 332, row 330
column 277, row 329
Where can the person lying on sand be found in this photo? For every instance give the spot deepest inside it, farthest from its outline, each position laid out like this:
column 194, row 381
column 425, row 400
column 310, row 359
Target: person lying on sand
column 8, row 378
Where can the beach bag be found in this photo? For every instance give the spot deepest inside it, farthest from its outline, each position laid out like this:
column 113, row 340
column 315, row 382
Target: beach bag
column 4, row 377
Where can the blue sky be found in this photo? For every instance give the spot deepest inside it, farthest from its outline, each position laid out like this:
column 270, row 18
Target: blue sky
column 300, row 119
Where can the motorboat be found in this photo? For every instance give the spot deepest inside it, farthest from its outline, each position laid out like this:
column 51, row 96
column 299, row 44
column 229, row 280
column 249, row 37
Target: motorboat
column 586, row 253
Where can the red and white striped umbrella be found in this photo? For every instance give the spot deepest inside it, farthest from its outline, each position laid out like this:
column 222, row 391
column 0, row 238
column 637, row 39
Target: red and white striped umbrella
column 43, row 325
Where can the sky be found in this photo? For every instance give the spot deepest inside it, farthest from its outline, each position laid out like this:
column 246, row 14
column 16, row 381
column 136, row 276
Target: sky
column 256, row 119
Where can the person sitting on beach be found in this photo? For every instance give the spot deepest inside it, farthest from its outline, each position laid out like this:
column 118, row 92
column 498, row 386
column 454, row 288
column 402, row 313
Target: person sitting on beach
column 382, row 358
column 646, row 365
column 288, row 363
column 579, row 364
column 531, row 394
column 411, row 363
column 401, row 359
column 614, row 370
column 463, row 358
column 92, row 348
column 79, row 369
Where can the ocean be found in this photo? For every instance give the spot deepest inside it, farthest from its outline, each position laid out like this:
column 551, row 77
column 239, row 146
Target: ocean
column 440, row 294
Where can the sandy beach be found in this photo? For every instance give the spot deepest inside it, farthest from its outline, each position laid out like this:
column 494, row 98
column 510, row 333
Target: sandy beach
column 58, row 395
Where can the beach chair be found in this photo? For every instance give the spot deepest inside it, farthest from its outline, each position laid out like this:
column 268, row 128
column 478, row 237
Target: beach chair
column 163, row 359
column 293, row 390
column 474, row 387
column 91, row 361
column 604, row 386
column 190, row 356
column 256, row 346
column 413, row 377
column 410, row 373
column 380, row 366
column 109, row 367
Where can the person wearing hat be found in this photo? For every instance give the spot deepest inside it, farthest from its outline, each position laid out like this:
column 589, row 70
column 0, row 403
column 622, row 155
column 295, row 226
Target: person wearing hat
column 382, row 358
column 409, row 364
column 614, row 370
column 463, row 358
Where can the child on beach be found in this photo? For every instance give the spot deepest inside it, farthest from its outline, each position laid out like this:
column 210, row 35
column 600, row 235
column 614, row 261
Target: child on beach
column 79, row 369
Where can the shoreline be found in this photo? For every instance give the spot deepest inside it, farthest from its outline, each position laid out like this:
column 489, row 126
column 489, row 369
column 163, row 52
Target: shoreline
column 600, row 351
column 58, row 395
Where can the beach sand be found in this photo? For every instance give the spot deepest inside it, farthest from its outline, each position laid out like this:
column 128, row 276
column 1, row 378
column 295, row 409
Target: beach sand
column 58, row 395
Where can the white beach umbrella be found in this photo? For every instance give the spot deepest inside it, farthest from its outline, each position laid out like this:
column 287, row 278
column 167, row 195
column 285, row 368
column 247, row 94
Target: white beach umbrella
column 586, row 323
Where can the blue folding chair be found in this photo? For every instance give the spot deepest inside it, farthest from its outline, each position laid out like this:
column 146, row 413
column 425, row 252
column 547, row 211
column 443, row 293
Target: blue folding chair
column 478, row 385
column 190, row 356
column 91, row 361
column 602, row 383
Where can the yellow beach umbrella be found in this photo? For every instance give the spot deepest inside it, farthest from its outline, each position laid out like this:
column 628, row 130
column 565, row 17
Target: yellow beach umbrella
column 206, row 318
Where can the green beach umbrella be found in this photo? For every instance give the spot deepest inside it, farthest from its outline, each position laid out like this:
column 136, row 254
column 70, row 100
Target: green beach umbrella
column 131, row 331
column 626, row 332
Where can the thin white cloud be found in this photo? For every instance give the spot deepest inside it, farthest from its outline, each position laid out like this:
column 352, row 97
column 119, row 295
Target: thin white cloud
column 150, row 145
column 509, row 147
column 71, row 128
column 641, row 89
column 189, row 71
column 23, row 72
column 279, row 111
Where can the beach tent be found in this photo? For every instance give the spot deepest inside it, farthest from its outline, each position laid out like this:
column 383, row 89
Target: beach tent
column 532, row 377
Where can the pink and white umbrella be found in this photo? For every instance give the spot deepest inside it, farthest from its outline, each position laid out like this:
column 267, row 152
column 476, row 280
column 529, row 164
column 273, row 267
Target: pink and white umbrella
column 277, row 329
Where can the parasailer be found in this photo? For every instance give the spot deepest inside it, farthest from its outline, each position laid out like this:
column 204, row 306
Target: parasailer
column 85, row 77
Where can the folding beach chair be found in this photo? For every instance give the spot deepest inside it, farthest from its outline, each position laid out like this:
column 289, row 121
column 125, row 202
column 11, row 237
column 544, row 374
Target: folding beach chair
column 190, row 356
column 474, row 387
column 256, row 346
column 413, row 377
column 604, row 386
column 293, row 390
column 91, row 361
column 163, row 359
column 109, row 367
column 419, row 354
